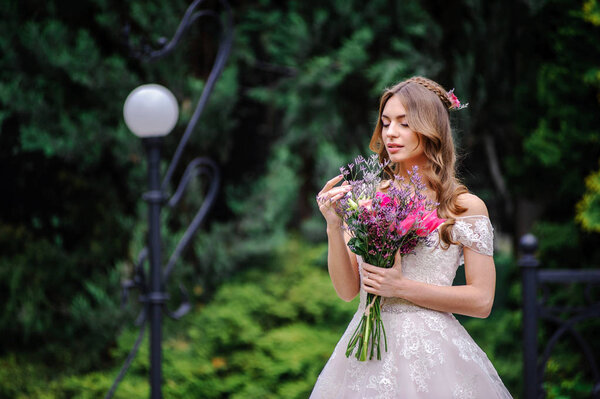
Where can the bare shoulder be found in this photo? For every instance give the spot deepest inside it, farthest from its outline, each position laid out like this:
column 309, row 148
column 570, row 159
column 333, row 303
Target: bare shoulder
column 473, row 204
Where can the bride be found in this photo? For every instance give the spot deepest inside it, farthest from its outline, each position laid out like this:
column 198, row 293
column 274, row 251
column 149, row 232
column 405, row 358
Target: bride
column 430, row 355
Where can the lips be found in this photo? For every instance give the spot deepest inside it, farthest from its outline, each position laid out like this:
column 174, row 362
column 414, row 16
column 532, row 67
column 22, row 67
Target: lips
column 393, row 148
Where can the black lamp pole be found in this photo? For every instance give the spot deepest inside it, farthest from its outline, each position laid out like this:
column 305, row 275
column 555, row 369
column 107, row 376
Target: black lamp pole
column 157, row 296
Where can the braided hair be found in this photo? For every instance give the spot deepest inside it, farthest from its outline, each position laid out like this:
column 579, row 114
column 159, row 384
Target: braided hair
column 434, row 87
column 427, row 104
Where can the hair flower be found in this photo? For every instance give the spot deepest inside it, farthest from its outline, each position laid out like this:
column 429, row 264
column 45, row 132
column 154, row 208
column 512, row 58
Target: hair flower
column 454, row 101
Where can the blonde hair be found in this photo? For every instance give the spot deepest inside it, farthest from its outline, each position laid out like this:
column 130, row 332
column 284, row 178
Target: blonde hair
column 426, row 106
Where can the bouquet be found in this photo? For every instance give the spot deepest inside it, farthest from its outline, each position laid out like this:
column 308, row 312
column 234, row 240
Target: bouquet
column 380, row 225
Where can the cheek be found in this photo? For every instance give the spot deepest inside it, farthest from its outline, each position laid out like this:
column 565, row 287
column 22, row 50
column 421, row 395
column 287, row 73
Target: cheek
column 412, row 138
column 417, row 143
column 417, row 140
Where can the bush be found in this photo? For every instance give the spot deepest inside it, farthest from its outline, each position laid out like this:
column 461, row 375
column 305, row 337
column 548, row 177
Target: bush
column 264, row 334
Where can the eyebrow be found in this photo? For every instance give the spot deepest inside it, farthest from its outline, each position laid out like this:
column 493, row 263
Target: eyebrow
column 398, row 117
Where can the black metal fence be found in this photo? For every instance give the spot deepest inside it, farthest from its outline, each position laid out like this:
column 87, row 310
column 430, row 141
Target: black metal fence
column 562, row 319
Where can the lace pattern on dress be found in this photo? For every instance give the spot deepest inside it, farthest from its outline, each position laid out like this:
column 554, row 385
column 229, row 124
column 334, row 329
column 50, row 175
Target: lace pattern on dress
column 474, row 232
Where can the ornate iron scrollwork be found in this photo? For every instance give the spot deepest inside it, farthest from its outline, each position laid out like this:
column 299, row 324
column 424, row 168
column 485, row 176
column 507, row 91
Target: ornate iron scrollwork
column 196, row 168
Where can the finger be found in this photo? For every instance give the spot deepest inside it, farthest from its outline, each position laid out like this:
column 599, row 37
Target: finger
column 371, row 283
column 370, row 290
column 325, row 196
column 328, row 200
column 331, row 194
column 373, row 269
column 337, row 197
column 344, row 187
column 329, row 185
column 339, row 189
column 366, row 267
column 332, row 182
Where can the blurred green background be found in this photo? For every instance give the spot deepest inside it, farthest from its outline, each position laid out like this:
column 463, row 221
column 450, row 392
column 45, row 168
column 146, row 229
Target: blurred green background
column 297, row 100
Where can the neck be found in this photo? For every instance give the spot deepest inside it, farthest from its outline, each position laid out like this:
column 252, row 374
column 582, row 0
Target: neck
column 407, row 166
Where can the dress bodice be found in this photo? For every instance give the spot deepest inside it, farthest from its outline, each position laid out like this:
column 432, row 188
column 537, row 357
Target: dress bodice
column 431, row 263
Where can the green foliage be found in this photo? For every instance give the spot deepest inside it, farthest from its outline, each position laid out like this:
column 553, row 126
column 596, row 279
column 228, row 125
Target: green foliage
column 70, row 230
column 556, row 238
column 52, row 294
column 296, row 101
column 559, row 383
column 564, row 130
column 338, row 63
column 264, row 333
column 591, row 12
column 588, row 209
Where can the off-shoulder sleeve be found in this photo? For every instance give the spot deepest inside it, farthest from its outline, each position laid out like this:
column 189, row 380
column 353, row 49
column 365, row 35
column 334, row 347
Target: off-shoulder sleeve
column 475, row 232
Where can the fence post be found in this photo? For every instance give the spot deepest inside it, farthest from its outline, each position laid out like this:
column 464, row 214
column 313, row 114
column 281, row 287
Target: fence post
column 528, row 264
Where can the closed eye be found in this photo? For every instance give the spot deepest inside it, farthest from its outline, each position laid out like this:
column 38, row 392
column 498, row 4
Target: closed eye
column 402, row 124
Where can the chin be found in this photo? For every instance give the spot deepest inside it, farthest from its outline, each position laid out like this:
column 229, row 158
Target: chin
column 396, row 158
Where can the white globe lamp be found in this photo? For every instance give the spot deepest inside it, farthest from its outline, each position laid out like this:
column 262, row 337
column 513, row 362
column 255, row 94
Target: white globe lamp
column 151, row 110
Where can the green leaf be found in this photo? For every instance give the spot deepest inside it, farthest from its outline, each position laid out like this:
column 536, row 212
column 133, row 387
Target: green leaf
column 357, row 246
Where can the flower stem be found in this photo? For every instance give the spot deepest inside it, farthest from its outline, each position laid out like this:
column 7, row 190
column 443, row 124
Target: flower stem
column 365, row 338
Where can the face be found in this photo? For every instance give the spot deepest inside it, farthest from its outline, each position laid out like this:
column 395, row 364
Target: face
column 402, row 143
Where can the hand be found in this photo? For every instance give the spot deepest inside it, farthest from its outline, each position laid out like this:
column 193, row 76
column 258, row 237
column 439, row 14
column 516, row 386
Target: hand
column 383, row 281
column 328, row 197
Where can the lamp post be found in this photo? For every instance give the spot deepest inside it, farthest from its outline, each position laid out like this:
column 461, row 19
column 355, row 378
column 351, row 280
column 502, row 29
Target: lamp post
column 151, row 112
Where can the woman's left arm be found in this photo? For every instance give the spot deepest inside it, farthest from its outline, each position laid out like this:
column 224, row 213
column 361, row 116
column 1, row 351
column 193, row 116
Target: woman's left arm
column 473, row 299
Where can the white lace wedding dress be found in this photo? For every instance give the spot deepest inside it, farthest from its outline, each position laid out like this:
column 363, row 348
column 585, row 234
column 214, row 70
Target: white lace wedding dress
column 430, row 355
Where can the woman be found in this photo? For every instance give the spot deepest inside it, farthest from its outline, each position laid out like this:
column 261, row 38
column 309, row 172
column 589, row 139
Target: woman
column 430, row 355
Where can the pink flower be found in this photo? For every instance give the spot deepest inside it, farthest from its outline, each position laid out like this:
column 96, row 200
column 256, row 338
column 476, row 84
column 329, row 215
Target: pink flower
column 365, row 203
column 392, row 227
column 429, row 223
column 407, row 223
column 384, row 198
column 453, row 99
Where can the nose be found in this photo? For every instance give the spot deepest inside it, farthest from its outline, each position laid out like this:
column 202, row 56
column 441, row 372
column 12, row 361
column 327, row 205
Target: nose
column 392, row 130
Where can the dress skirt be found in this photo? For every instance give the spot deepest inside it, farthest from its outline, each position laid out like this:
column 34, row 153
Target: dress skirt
column 430, row 355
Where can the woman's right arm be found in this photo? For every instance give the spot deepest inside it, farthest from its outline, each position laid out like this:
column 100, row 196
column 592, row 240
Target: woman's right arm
column 341, row 262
